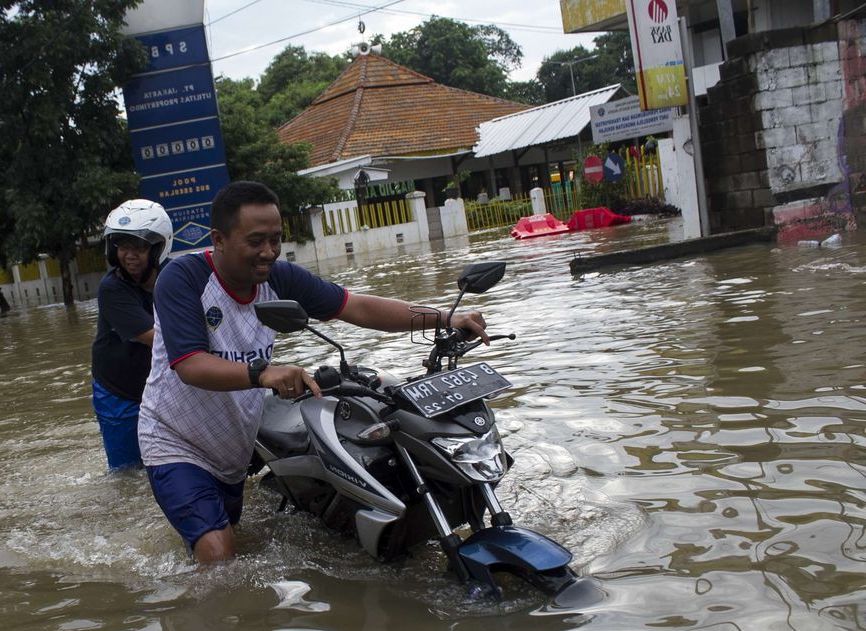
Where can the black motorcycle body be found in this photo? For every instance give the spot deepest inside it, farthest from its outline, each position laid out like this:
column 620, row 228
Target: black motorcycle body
column 399, row 462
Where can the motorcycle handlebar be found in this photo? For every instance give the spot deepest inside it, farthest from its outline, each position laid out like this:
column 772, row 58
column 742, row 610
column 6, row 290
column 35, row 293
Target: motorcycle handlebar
column 493, row 338
column 348, row 390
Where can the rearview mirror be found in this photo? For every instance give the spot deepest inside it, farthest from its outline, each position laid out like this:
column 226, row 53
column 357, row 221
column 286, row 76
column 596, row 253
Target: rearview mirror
column 476, row 278
column 283, row 316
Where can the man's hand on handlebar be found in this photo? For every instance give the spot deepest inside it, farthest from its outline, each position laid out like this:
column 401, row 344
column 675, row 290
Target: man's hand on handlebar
column 473, row 322
column 288, row 381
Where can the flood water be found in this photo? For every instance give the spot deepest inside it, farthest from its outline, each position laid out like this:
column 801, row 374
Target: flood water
column 692, row 430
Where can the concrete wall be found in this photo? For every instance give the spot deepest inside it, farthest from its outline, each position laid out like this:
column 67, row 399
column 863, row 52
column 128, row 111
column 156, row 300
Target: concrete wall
column 364, row 240
column 39, row 283
column 781, row 131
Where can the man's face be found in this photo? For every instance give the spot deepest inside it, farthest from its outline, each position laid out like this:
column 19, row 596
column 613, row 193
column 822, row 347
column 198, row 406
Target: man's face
column 132, row 254
column 248, row 251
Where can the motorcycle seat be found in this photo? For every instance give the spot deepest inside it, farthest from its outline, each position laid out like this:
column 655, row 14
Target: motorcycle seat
column 282, row 430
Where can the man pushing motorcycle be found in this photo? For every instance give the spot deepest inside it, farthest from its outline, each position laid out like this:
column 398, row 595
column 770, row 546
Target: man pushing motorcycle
column 211, row 362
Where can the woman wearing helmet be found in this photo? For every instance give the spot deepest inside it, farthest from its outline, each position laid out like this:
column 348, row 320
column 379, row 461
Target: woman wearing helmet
column 138, row 239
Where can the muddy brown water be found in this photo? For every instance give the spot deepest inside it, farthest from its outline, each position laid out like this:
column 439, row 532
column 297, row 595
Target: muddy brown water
column 693, row 431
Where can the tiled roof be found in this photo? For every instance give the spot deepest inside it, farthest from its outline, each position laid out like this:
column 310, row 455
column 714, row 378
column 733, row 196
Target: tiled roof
column 379, row 108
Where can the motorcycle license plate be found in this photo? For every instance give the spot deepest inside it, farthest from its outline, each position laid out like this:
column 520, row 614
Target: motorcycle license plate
column 445, row 391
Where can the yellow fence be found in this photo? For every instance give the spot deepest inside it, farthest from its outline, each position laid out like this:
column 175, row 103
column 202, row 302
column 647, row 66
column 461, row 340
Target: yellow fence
column 496, row 213
column 350, row 218
column 29, row 272
column 643, row 175
column 91, row 260
column 6, row 276
column 561, row 200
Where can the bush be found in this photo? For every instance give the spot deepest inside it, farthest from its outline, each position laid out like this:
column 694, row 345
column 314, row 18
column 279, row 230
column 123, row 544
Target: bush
column 644, row 206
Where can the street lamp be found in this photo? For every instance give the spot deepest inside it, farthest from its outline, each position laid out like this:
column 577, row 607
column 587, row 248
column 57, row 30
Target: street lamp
column 570, row 65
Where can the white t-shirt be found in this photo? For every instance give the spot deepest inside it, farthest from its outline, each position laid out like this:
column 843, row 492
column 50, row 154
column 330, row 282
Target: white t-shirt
column 195, row 313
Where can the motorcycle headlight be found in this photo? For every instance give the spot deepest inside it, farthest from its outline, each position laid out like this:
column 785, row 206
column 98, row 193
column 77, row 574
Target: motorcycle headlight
column 480, row 458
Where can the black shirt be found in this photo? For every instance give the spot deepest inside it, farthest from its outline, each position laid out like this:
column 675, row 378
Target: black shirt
column 119, row 363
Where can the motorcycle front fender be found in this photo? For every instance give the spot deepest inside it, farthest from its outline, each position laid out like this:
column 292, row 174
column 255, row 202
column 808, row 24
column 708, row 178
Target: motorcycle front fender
column 512, row 548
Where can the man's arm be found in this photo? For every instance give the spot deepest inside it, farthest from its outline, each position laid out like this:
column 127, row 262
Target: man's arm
column 389, row 314
column 210, row 372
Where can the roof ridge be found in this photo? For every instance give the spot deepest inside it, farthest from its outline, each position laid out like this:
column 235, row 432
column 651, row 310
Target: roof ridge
column 350, row 124
column 362, row 63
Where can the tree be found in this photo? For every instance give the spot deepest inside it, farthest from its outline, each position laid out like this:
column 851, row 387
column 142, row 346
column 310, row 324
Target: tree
column 65, row 152
column 608, row 63
column 293, row 80
column 254, row 151
column 530, row 92
column 474, row 58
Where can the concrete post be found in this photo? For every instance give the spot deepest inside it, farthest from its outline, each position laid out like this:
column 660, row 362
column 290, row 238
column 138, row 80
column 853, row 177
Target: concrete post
column 43, row 276
column 454, row 218
column 694, row 129
column 16, row 284
column 318, row 231
column 536, row 196
column 418, row 206
column 668, row 161
column 688, row 192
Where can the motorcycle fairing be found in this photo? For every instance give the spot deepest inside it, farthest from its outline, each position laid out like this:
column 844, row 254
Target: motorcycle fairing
column 340, row 469
column 511, row 547
column 475, row 418
column 369, row 525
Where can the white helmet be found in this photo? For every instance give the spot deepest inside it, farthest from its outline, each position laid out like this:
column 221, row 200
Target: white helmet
column 140, row 218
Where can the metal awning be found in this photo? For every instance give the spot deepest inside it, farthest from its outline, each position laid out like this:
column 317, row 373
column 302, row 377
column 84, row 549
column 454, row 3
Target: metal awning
column 540, row 125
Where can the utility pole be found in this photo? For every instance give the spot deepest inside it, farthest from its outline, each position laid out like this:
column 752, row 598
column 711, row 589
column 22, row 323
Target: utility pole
column 570, row 65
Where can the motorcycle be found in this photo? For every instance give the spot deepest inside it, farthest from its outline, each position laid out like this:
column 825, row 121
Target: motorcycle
column 397, row 463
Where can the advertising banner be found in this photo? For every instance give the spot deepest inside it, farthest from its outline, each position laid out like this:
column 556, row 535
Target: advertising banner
column 173, row 119
column 658, row 54
column 623, row 119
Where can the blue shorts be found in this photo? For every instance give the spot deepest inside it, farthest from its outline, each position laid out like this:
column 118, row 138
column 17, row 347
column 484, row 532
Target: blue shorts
column 193, row 500
column 118, row 424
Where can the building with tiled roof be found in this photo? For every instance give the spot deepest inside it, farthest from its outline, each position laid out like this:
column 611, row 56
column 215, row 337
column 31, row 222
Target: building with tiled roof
column 380, row 115
column 402, row 127
column 379, row 108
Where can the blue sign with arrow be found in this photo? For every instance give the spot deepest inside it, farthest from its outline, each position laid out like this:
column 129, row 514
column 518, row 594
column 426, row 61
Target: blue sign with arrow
column 613, row 168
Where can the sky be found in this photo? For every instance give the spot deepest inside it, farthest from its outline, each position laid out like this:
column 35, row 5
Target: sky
column 243, row 25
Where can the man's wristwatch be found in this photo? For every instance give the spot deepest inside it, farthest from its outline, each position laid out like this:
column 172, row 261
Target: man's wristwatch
column 255, row 369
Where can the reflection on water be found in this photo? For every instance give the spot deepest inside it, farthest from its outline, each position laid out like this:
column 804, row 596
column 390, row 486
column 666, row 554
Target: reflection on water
column 692, row 430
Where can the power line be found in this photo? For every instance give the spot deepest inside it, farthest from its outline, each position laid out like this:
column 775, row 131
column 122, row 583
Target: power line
column 230, row 13
column 307, row 32
column 510, row 25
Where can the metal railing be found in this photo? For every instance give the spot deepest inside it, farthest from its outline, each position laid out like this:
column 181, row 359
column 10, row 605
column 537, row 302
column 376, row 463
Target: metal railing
column 349, row 217
column 496, row 213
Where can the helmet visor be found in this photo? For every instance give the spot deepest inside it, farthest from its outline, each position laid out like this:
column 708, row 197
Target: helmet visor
column 129, row 242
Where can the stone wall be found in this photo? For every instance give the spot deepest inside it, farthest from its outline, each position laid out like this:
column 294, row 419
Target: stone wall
column 782, row 132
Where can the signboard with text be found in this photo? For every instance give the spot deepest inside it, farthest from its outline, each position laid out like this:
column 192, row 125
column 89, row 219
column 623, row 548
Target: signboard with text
column 623, row 119
column 658, row 54
column 177, row 143
column 186, row 93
